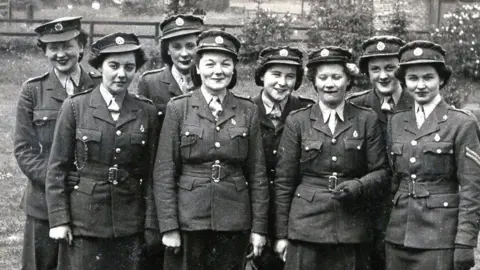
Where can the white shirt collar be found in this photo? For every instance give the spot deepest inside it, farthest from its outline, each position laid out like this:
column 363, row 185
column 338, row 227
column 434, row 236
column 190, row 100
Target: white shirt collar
column 326, row 110
column 208, row 97
column 179, row 77
column 107, row 96
column 75, row 75
column 268, row 104
column 429, row 107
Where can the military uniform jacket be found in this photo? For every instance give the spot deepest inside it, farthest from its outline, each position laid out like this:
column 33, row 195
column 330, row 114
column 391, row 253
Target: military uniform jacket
column 193, row 195
column 430, row 163
column 37, row 110
column 106, row 202
column 159, row 86
column 271, row 138
column 311, row 158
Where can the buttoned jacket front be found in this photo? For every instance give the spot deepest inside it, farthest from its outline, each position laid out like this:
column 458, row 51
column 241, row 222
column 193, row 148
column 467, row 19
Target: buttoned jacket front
column 107, row 202
column 37, row 111
column 210, row 175
column 312, row 160
column 430, row 163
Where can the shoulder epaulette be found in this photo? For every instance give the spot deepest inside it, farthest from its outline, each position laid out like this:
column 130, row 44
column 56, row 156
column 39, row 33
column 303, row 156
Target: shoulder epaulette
column 361, row 107
column 401, row 111
column 357, row 94
column 153, row 71
column 95, row 74
column 243, row 97
column 467, row 112
column 36, row 78
column 142, row 98
column 82, row 93
column 189, row 94
column 302, row 98
column 302, row 109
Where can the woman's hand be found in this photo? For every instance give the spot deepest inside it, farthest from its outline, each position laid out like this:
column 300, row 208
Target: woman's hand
column 257, row 241
column 62, row 232
column 280, row 248
column 172, row 241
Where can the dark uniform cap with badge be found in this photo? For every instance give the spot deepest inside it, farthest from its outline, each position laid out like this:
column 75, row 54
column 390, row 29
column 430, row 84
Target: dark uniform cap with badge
column 379, row 46
column 181, row 25
column 329, row 54
column 116, row 43
column 421, row 52
column 59, row 30
column 283, row 55
column 216, row 40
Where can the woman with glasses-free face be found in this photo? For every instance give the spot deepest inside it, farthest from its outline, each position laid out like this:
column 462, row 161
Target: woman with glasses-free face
column 423, row 82
column 279, row 81
column 118, row 71
column 216, row 70
column 331, row 83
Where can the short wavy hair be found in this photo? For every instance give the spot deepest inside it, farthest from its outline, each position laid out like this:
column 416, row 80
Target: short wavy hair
column 197, row 80
column 312, row 73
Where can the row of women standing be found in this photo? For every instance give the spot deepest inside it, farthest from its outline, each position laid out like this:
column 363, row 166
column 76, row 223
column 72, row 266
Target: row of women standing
column 223, row 183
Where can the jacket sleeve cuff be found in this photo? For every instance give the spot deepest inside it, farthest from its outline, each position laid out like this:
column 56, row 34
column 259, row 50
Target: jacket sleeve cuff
column 169, row 225
column 59, row 217
column 466, row 239
column 151, row 223
column 260, row 228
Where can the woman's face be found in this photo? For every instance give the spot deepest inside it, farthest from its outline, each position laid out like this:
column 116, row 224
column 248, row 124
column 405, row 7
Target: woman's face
column 216, row 70
column 423, row 82
column 279, row 81
column 63, row 56
column 381, row 71
column 182, row 50
column 118, row 71
column 331, row 82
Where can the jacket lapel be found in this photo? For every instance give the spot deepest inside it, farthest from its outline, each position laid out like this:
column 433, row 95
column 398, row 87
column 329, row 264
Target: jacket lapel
column 53, row 84
column 431, row 124
column 262, row 114
column 86, row 82
column 228, row 109
column 172, row 84
column 316, row 115
column 375, row 104
column 128, row 112
column 198, row 100
column 99, row 106
column 405, row 102
column 342, row 126
column 411, row 122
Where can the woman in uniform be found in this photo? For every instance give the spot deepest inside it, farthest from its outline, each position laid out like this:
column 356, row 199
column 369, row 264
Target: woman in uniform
column 332, row 157
column 210, row 185
column 63, row 42
column 435, row 156
column 279, row 72
column 107, row 135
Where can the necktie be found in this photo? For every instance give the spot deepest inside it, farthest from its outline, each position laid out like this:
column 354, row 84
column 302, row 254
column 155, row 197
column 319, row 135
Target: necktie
column 332, row 121
column 388, row 104
column 215, row 106
column 69, row 86
column 186, row 83
column 275, row 114
column 420, row 116
column 114, row 109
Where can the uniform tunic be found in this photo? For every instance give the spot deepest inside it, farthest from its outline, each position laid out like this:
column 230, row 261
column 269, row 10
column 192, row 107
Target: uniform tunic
column 37, row 111
column 312, row 160
column 113, row 198
column 430, row 211
column 210, row 175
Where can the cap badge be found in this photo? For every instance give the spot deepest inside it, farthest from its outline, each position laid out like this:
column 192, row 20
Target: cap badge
column 119, row 40
column 418, row 52
column 283, row 52
column 325, row 53
column 380, row 46
column 179, row 22
column 219, row 40
column 58, row 27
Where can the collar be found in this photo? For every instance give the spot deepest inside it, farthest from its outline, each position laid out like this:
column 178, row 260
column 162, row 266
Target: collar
column 396, row 95
column 268, row 103
column 179, row 77
column 326, row 110
column 107, row 96
column 75, row 75
column 208, row 97
column 429, row 107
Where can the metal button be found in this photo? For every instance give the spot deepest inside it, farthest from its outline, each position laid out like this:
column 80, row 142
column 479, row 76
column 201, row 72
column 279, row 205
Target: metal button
column 439, row 151
column 217, row 128
column 413, row 143
column 119, row 132
column 217, row 144
column 160, row 113
column 445, row 204
column 306, row 148
column 246, row 183
column 359, row 147
column 334, row 174
column 391, row 153
column 334, row 141
column 84, row 138
column 75, row 187
column 115, row 182
column 118, row 150
column 187, row 133
column 334, row 158
column 141, row 181
column 298, row 194
column 413, row 160
column 244, row 134
column 216, row 180
column 271, row 182
column 44, row 118
column 143, row 142
column 413, row 176
column 217, row 161
column 272, row 170
column 274, row 152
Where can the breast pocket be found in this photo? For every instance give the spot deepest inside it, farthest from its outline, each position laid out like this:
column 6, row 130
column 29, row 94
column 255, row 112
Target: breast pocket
column 395, row 155
column 138, row 142
column 310, row 150
column 438, row 157
column 190, row 138
column 88, row 145
column 239, row 141
column 355, row 157
column 44, row 121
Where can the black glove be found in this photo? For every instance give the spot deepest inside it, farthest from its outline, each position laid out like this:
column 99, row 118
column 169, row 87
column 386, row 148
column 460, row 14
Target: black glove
column 153, row 239
column 72, row 180
column 463, row 257
column 348, row 190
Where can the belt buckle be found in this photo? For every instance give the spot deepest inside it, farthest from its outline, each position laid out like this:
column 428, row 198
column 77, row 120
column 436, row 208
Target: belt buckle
column 216, row 172
column 332, row 182
column 112, row 175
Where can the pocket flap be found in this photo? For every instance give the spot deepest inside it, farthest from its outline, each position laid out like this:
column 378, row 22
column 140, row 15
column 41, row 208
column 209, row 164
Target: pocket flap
column 44, row 115
column 305, row 193
column 438, row 148
column 354, row 144
column 139, row 138
column 240, row 183
column 190, row 130
column 87, row 135
column 443, row 200
column 238, row 131
column 397, row 149
column 86, row 186
column 186, row 182
column 312, row 145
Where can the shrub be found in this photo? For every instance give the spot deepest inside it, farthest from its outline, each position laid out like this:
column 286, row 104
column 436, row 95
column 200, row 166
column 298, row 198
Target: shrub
column 143, row 7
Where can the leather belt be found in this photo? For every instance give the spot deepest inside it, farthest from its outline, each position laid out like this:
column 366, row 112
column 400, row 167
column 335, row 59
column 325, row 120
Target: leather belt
column 327, row 181
column 215, row 171
column 113, row 175
column 424, row 189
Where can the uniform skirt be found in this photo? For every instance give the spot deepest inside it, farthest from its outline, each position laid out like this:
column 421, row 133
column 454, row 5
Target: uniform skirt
column 402, row 258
